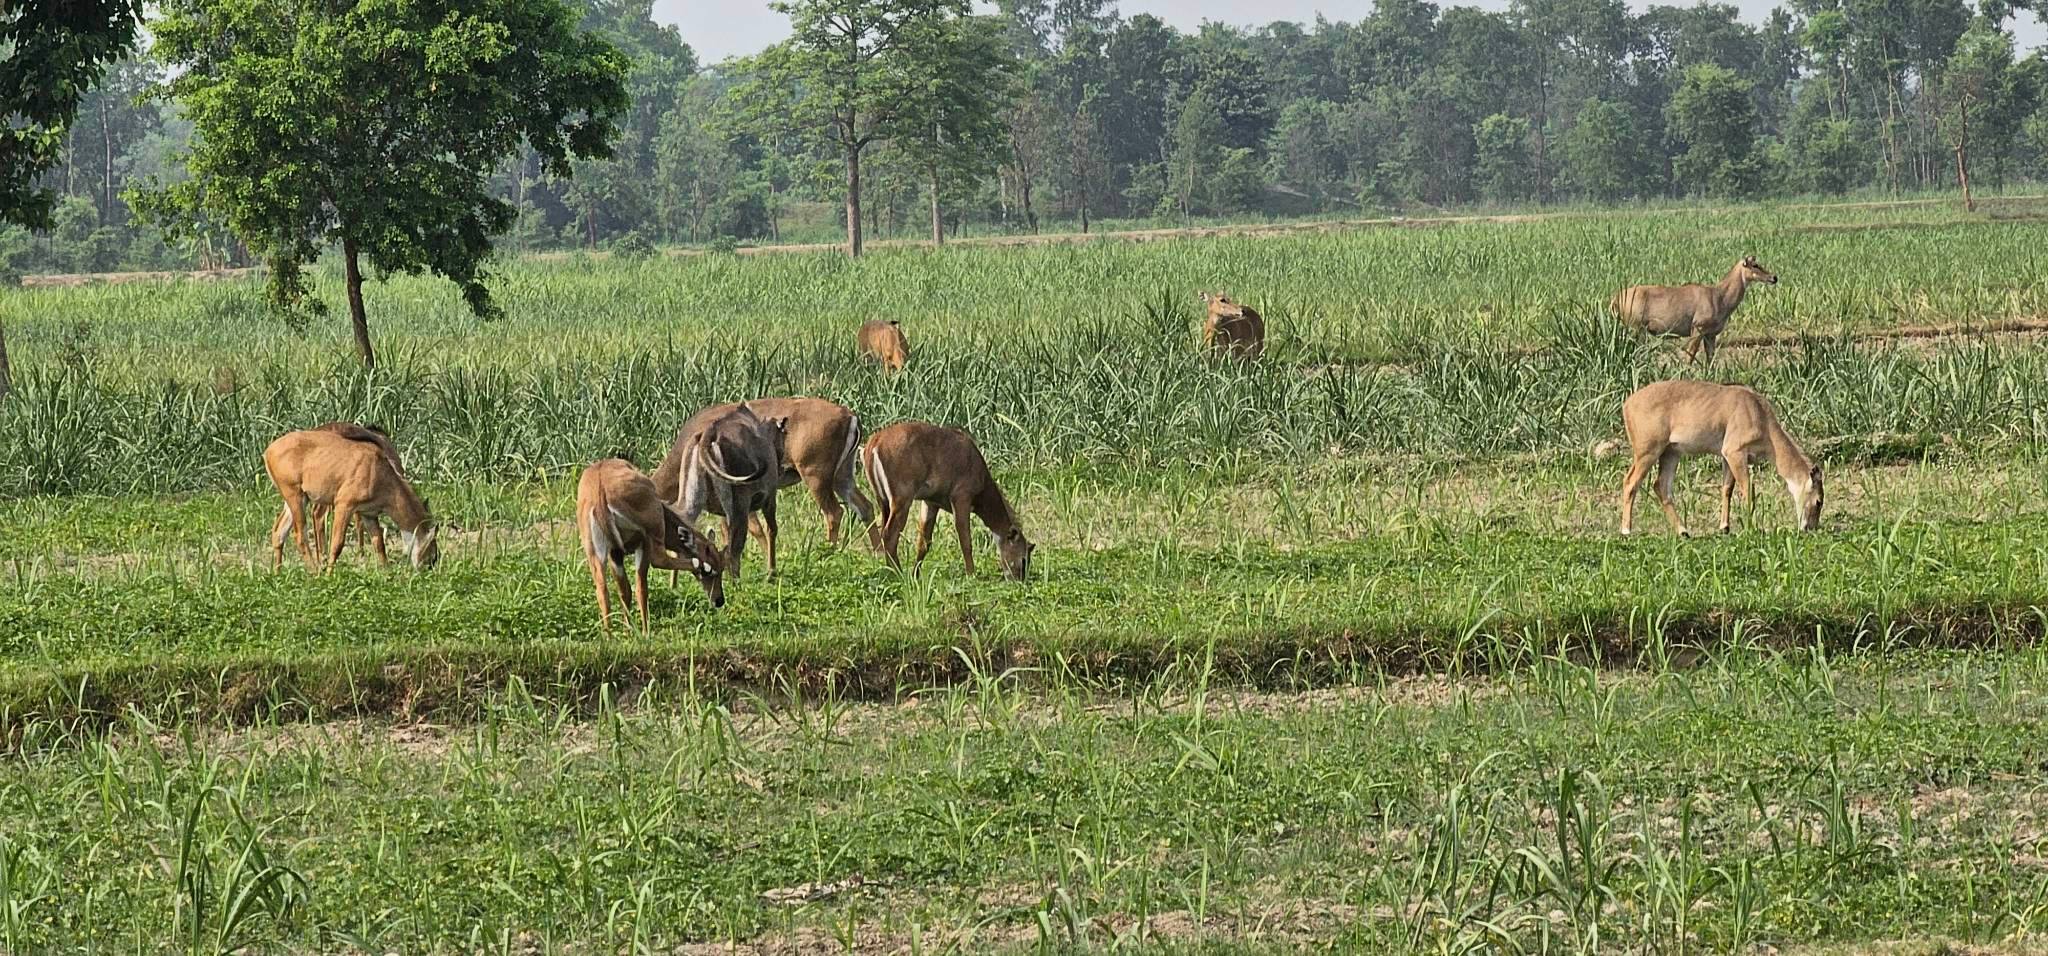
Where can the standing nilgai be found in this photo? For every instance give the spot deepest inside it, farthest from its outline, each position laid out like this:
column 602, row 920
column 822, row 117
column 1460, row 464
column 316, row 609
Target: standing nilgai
column 1667, row 421
column 618, row 513
column 1695, row 311
column 1232, row 328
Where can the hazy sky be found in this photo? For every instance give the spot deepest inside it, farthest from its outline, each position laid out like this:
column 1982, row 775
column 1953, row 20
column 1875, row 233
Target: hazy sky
column 721, row 28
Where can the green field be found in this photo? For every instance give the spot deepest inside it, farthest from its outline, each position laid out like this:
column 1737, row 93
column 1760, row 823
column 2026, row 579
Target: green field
column 1339, row 648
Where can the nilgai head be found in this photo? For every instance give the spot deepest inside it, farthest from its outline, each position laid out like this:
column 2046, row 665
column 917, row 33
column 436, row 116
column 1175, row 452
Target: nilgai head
column 1220, row 304
column 706, row 564
column 1016, row 554
column 1806, row 499
column 423, row 545
column 1754, row 271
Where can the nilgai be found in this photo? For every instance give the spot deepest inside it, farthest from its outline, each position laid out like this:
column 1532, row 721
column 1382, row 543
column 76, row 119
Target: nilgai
column 1667, row 421
column 353, row 432
column 1695, row 311
column 909, row 462
column 618, row 513
column 352, row 478
column 1232, row 328
column 820, row 441
column 730, row 464
column 883, row 341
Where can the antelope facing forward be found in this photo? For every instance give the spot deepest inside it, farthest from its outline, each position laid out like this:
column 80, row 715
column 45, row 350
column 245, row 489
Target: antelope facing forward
column 617, row 513
column 909, row 462
column 730, row 464
column 883, row 341
column 1667, row 421
column 1233, row 328
column 1697, row 311
column 353, row 478
column 820, row 441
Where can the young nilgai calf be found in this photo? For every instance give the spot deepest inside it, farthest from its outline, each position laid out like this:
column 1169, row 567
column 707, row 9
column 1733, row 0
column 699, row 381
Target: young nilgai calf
column 1694, row 311
column 1232, row 328
column 1667, row 421
column 883, row 341
column 820, row 441
column 353, row 478
column 618, row 513
column 730, row 464
column 909, row 462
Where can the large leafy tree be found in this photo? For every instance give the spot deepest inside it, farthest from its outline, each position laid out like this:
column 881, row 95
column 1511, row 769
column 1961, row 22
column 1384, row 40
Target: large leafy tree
column 1971, row 80
column 855, row 73
column 375, row 125
column 52, row 52
column 948, row 129
column 1713, row 115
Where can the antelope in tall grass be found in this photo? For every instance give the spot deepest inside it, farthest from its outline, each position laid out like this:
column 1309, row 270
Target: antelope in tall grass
column 883, row 341
column 1232, row 328
column 353, row 432
column 353, row 478
column 821, row 439
column 911, row 462
column 1667, row 421
column 730, row 464
column 619, row 513
column 1695, row 311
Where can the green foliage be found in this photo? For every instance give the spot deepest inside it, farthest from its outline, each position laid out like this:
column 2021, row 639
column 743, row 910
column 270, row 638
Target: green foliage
column 633, row 247
column 377, row 129
column 1505, row 167
column 54, row 54
column 1603, row 153
column 1713, row 114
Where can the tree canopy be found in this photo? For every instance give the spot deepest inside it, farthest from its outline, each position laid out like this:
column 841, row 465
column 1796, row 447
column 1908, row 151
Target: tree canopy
column 375, row 125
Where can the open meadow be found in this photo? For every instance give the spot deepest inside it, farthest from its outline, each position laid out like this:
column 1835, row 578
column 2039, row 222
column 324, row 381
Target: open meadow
column 1341, row 647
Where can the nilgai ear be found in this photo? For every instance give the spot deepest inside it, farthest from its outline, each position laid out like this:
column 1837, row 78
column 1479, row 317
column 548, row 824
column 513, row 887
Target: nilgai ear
column 1749, row 260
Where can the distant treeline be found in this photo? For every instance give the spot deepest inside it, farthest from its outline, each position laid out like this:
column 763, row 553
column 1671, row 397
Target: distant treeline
column 1105, row 116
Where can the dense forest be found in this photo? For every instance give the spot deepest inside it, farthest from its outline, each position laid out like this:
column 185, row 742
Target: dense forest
column 1064, row 113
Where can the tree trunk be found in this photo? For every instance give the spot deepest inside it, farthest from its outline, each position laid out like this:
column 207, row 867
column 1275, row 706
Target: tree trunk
column 6, row 370
column 1963, row 157
column 107, row 174
column 357, row 322
column 853, row 201
column 938, row 222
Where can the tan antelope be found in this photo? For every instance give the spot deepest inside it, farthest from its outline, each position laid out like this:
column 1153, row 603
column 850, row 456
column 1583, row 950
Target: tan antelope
column 353, row 432
column 618, row 513
column 883, row 341
column 352, row 478
column 1695, row 311
column 1667, row 421
column 730, row 464
column 911, row 462
column 821, row 439
column 1232, row 328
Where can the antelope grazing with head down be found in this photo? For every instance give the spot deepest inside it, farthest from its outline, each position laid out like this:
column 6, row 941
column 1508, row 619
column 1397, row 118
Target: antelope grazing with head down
column 1232, row 328
column 883, row 341
column 909, row 462
column 618, row 513
column 1694, row 311
column 353, row 478
column 731, row 464
column 1667, row 421
column 820, row 441
column 365, row 533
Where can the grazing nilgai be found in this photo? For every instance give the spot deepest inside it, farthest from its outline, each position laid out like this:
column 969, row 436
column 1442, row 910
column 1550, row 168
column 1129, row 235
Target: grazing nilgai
column 1695, row 311
column 352, row 478
column 731, row 464
column 909, row 462
column 820, row 441
column 617, row 513
column 883, row 341
column 1667, row 421
column 353, row 432
column 1232, row 328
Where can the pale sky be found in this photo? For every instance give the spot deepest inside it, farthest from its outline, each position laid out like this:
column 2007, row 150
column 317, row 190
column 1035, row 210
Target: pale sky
column 718, row 29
